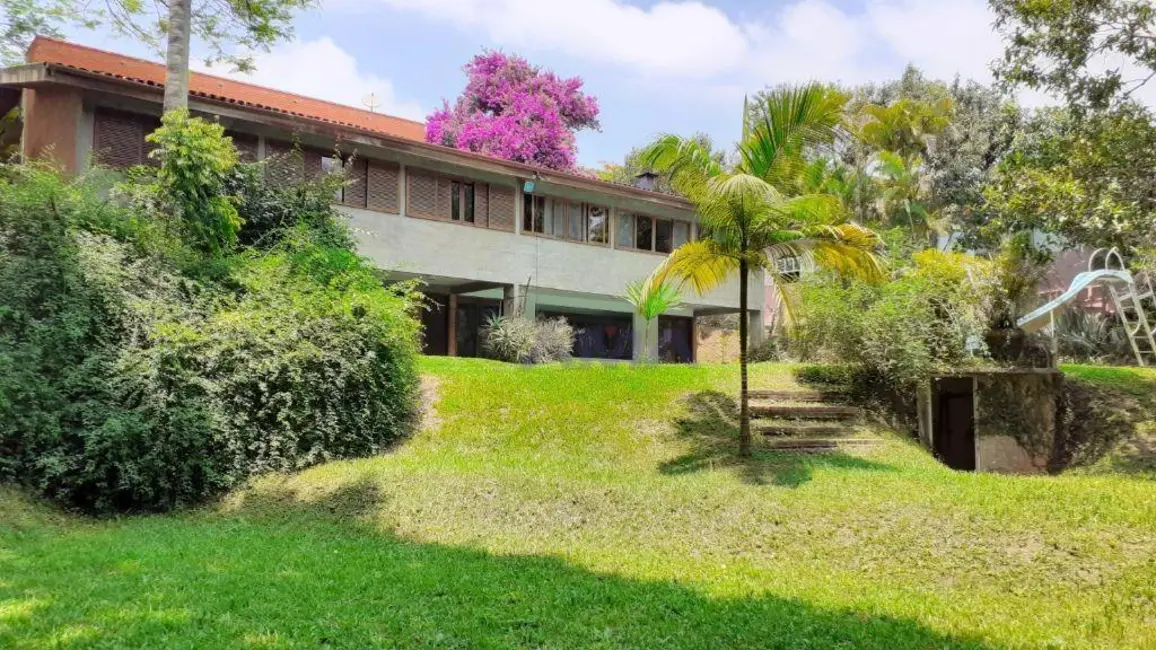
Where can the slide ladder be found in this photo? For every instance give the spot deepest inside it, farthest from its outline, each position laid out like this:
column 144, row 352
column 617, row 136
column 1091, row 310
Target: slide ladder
column 1135, row 305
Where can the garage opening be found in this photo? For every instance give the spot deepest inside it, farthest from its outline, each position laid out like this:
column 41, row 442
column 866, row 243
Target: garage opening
column 953, row 413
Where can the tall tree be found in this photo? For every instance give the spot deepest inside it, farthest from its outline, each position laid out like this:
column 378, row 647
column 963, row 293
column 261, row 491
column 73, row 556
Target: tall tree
column 1093, row 53
column 748, row 220
column 513, row 110
column 231, row 30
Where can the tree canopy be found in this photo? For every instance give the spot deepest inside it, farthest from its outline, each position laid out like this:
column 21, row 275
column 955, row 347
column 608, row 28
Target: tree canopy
column 231, row 30
column 514, row 110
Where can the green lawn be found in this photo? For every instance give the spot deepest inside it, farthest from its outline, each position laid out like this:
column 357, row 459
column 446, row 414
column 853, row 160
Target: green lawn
column 597, row 507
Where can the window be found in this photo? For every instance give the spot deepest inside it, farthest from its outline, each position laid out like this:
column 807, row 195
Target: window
column 663, row 235
column 790, row 268
column 462, row 201
column 598, row 224
column 681, row 233
column 646, row 233
column 570, row 220
column 643, row 232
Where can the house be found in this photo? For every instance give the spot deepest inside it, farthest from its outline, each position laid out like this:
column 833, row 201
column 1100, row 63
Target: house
column 485, row 235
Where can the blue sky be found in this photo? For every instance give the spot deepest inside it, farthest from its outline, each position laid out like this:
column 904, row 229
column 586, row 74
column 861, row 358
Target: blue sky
column 674, row 66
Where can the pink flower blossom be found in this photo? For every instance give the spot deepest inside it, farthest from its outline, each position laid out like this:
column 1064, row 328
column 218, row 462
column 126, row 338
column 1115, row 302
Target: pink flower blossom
column 513, row 110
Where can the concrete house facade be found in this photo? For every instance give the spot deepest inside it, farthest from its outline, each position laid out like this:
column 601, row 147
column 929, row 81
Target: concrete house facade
column 485, row 235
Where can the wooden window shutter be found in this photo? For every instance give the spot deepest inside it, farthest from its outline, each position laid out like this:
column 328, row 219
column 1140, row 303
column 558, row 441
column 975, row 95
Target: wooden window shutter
column 501, row 207
column 284, row 166
column 423, row 194
column 443, row 199
column 482, row 204
column 355, row 192
column 381, row 187
column 119, row 139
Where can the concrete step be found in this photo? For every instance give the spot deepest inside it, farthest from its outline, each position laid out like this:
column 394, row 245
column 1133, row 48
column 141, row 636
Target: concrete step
column 798, row 395
column 821, row 444
column 803, row 428
column 805, row 411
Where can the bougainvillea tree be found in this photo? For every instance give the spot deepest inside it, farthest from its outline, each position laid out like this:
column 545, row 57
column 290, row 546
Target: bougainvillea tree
column 514, row 110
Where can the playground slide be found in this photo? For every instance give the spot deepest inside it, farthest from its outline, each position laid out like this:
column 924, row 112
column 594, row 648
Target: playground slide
column 1040, row 318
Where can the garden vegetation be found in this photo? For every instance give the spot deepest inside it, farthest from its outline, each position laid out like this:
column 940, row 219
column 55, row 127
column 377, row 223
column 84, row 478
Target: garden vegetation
column 170, row 334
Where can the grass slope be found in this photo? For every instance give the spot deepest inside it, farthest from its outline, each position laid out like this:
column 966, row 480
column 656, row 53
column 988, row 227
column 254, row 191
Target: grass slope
column 598, row 507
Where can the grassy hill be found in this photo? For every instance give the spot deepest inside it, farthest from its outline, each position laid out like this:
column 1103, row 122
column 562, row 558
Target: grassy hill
column 601, row 507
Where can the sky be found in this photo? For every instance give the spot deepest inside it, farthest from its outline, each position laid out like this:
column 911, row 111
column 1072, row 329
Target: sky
column 673, row 66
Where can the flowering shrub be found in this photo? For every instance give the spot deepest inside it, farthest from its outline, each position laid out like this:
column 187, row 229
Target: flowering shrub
column 513, row 110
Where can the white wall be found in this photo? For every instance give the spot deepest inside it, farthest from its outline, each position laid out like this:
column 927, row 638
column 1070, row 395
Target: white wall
column 450, row 250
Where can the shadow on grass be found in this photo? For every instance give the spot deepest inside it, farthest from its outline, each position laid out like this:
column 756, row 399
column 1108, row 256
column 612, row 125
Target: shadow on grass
column 285, row 572
column 711, row 426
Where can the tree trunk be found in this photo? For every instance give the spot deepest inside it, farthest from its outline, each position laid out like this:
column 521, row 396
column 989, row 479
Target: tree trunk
column 177, row 55
column 744, row 393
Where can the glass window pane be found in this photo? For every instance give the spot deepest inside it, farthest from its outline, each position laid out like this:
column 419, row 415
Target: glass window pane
column 468, row 197
column 663, row 234
column 575, row 223
column 539, row 213
column 455, row 200
column 624, row 238
column 597, row 217
column 681, row 233
column 528, row 212
column 643, row 233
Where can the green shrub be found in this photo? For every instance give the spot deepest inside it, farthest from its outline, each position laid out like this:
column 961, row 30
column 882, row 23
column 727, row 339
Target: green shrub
column 521, row 340
column 930, row 319
column 132, row 379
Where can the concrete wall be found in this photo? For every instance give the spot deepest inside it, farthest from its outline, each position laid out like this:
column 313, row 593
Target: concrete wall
column 448, row 250
column 52, row 127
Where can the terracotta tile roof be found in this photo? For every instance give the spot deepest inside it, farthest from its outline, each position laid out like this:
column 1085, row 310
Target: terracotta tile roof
column 80, row 57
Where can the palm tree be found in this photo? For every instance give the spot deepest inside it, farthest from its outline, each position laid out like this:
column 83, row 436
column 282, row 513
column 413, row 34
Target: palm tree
column 651, row 300
column 177, row 54
column 750, row 213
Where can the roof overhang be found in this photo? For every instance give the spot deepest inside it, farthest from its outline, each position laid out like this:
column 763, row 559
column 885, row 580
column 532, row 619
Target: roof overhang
column 34, row 75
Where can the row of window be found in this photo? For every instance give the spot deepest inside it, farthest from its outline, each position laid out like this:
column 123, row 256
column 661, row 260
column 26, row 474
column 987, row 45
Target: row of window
column 119, row 142
column 564, row 219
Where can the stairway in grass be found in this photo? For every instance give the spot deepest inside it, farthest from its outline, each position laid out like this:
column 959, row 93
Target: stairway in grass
column 808, row 420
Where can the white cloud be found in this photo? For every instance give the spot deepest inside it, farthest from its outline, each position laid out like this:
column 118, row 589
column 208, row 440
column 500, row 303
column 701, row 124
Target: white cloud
column 321, row 69
column 692, row 40
column 686, row 38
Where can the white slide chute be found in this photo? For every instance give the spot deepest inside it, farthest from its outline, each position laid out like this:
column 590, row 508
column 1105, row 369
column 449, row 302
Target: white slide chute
column 1133, row 300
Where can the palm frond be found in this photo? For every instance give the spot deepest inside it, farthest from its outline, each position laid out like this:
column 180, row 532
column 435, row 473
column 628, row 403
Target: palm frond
column 652, row 299
column 688, row 162
column 703, row 264
column 847, row 249
column 790, row 120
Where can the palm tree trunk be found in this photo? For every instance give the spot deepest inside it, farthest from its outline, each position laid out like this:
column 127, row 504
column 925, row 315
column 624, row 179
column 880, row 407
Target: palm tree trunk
column 177, row 55
column 744, row 396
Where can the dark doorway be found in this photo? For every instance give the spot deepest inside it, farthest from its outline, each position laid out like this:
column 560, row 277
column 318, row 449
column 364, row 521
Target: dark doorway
column 674, row 339
column 472, row 315
column 953, row 415
column 599, row 336
column 435, row 325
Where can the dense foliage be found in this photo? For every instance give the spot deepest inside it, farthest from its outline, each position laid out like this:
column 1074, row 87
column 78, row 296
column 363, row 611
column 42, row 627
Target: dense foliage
column 517, row 339
column 930, row 319
column 143, row 369
column 231, row 31
column 511, row 109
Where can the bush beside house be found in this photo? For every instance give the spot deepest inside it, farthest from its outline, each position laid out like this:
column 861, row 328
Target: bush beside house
column 149, row 361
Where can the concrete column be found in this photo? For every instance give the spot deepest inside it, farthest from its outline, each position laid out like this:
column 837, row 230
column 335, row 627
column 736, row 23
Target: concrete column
column 452, row 330
column 648, row 332
column 694, row 339
column 517, row 301
column 756, row 328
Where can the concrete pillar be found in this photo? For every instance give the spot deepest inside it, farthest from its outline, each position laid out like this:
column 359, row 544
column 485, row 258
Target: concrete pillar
column 648, row 332
column 756, row 328
column 518, row 301
column 452, row 330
